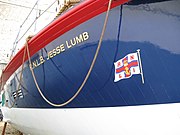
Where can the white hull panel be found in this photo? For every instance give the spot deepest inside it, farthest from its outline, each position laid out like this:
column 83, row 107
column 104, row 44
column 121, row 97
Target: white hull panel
column 134, row 120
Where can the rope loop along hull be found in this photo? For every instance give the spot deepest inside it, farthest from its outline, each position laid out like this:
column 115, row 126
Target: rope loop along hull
column 62, row 54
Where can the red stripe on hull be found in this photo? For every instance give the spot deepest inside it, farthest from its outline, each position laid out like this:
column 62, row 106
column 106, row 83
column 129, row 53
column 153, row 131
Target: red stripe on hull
column 64, row 23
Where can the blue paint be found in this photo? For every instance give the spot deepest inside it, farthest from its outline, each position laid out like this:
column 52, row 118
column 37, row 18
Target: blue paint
column 60, row 77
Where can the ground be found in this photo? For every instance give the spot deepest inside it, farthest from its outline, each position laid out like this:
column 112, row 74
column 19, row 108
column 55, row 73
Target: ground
column 9, row 130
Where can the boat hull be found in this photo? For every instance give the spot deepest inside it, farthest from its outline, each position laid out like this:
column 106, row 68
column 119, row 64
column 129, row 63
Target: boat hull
column 60, row 67
column 134, row 120
column 104, row 106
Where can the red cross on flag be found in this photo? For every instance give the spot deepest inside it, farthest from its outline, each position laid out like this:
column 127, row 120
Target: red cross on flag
column 128, row 66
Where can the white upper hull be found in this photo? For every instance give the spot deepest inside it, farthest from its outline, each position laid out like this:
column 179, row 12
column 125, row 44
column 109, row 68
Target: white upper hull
column 134, row 120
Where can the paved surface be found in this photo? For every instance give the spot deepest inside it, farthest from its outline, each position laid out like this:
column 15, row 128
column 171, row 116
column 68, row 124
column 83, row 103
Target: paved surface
column 9, row 130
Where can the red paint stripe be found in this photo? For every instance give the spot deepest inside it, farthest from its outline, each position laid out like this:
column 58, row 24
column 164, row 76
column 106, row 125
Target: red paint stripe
column 120, row 69
column 66, row 22
column 132, row 64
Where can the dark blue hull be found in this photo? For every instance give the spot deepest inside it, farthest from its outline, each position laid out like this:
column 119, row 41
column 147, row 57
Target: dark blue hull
column 62, row 65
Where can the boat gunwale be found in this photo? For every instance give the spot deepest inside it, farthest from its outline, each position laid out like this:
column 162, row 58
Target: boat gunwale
column 58, row 27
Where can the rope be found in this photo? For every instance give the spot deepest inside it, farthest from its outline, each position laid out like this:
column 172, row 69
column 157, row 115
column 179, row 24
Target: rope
column 15, row 42
column 29, row 13
column 88, row 74
column 2, row 86
column 35, row 21
column 117, row 47
column 67, row 5
column 20, row 79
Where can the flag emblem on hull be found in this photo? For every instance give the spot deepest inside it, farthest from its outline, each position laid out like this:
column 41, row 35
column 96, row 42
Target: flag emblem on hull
column 127, row 66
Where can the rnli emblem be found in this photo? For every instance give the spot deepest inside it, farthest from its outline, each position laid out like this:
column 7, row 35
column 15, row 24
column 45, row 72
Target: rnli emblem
column 128, row 66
